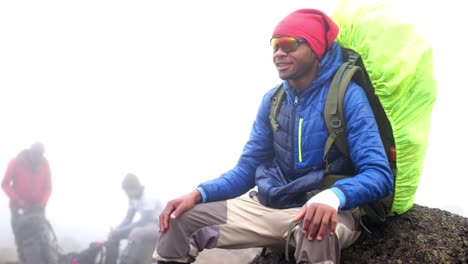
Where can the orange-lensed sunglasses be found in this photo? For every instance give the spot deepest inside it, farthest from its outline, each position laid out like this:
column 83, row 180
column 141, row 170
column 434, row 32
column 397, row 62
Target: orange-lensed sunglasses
column 287, row 44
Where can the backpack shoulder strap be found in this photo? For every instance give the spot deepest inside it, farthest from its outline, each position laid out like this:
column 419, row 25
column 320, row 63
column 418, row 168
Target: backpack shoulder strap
column 335, row 121
column 275, row 106
column 333, row 112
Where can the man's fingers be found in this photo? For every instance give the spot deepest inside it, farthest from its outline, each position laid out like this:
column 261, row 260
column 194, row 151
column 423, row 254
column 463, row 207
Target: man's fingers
column 178, row 211
column 301, row 213
column 323, row 225
column 323, row 218
column 333, row 223
column 174, row 209
column 315, row 223
column 308, row 218
column 162, row 223
column 164, row 217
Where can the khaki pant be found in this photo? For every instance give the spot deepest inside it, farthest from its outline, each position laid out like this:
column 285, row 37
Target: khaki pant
column 245, row 223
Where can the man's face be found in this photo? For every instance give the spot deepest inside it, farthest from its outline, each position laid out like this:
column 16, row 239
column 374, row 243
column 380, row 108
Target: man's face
column 296, row 64
column 35, row 155
column 134, row 193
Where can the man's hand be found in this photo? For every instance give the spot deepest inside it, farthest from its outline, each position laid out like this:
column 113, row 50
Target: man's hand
column 320, row 211
column 176, row 207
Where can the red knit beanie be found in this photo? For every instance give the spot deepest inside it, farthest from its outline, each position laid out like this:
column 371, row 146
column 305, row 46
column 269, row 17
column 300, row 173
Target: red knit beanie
column 313, row 25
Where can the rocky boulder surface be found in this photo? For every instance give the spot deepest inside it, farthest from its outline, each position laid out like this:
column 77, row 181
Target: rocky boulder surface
column 421, row 235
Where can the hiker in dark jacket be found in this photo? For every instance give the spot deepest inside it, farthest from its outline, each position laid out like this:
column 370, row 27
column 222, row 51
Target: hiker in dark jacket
column 287, row 163
column 28, row 185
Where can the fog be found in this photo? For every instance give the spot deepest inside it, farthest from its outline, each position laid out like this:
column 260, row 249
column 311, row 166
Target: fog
column 168, row 90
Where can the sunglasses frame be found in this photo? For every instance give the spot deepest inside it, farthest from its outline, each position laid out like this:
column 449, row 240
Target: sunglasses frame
column 278, row 46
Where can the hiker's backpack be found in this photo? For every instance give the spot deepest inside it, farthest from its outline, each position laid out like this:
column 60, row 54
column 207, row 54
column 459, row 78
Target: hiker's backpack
column 35, row 237
column 93, row 254
column 392, row 62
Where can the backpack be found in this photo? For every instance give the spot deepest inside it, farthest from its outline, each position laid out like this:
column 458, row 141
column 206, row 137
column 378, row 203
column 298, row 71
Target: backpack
column 35, row 237
column 94, row 254
column 399, row 83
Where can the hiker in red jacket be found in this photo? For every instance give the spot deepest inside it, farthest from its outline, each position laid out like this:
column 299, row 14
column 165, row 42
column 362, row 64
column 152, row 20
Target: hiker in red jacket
column 27, row 182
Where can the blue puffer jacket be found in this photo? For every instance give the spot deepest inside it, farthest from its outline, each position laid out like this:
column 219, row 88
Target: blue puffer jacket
column 297, row 148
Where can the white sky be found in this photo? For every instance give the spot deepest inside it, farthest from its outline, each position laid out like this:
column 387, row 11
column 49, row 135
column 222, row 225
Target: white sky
column 168, row 90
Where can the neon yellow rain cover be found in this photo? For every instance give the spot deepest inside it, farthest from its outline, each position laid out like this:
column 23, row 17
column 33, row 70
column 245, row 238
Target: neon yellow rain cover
column 399, row 62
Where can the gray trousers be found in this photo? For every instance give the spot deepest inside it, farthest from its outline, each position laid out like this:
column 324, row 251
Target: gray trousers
column 34, row 237
column 245, row 223
column 141, row 242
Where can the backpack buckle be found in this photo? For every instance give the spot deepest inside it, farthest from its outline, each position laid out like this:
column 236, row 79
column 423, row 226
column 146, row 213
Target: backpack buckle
column 336, row 123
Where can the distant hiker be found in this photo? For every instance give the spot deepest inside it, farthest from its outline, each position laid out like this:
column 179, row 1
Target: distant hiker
column 284, row 158
column 142, row 234
column 28, row 185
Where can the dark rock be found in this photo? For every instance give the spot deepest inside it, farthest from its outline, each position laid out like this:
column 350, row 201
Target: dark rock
column 421, row 235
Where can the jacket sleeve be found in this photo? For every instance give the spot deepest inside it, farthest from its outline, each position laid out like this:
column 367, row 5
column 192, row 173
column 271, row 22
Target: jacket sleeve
column 144, row 219
column 47, row 187
column 8, row 180
column 374, row 179
column 126, row 223
column 258, row 149
column 146, row 216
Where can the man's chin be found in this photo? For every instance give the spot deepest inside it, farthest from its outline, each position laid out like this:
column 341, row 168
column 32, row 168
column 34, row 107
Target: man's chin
column 284, row 76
